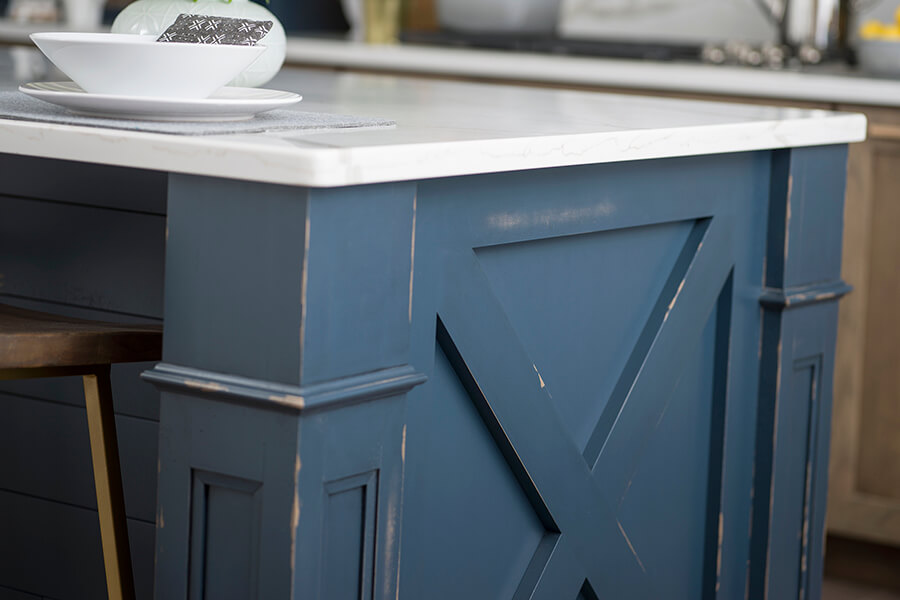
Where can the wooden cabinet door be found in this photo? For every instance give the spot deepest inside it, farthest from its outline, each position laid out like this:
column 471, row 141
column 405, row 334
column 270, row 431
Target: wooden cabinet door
column 864, row 491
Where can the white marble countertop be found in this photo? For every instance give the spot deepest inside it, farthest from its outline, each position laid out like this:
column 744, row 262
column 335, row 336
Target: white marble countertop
column 820, row 84
column 443, row 129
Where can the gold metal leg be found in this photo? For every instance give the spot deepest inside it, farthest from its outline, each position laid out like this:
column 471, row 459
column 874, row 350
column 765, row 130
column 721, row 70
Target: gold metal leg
column 108, row 483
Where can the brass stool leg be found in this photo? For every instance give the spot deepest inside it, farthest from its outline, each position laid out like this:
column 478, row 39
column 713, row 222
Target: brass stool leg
column 108, row 483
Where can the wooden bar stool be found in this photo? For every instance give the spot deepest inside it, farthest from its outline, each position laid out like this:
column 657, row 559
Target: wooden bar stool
column 36, row 344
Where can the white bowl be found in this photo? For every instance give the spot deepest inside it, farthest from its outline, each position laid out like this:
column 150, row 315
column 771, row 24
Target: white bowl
column 516, row 16
column 138, row 65
column 879, row 57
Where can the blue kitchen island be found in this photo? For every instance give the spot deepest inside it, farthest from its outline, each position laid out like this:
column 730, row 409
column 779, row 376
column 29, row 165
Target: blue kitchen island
column 525, row 344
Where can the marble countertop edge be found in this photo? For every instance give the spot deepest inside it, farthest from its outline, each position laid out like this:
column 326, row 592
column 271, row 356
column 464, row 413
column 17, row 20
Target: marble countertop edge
column 268, row 158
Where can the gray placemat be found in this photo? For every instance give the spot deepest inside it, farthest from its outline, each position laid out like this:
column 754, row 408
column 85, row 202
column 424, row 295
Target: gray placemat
column 18, row 106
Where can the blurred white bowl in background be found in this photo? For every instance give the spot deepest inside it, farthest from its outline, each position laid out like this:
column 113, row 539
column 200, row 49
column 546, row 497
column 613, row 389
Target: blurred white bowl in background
column 513, row 16
column 879, row 57
column 84, row 14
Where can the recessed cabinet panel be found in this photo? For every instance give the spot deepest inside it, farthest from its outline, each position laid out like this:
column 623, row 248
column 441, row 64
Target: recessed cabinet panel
column 225, row 531
column 349, row 544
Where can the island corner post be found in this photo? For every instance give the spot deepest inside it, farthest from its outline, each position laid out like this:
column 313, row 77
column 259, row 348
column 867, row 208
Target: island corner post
column 582, row 382
column 284, row 437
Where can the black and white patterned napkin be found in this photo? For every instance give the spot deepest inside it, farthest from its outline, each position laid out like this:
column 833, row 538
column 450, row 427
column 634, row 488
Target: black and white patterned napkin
column 206, row 29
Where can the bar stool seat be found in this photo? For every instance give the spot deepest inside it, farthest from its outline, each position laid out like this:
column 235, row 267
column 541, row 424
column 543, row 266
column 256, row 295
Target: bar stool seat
column 37, row 344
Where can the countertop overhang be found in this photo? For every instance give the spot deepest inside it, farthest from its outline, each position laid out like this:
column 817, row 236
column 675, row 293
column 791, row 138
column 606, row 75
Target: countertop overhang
column 444, row 129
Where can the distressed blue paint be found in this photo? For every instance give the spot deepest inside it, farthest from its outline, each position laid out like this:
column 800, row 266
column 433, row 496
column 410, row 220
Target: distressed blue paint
column 348, row 534
column 534, row 385
column 577, row 342
column 458, row 215
column 712, row 576
column 470, row 473
column 751, row 208
column 667, row 492
column 357, row 263
column 214, row 250
column 796, row 367
column 646, row 347
column 225, row 536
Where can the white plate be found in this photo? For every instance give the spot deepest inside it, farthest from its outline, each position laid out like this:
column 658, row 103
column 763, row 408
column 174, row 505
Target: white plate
column 227, row 104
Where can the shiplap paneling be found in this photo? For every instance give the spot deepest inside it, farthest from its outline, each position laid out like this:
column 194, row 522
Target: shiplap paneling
column 79, row 183
column 47, row 454
column 85, row 256
column 53, row 549
column 85, row 241
column 11, row 594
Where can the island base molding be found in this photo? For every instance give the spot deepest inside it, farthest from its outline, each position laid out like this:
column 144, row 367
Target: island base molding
column 260, row 502
column 328, row 395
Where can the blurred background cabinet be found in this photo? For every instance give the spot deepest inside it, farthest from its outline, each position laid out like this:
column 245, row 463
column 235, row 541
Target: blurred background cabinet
column 864, row 492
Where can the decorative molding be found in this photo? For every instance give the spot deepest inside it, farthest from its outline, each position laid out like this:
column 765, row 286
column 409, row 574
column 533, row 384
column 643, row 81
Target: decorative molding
column 792, row 297
column 321, row 396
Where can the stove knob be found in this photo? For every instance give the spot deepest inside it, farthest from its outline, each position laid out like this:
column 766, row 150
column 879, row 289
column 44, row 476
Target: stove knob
column 809, row 55
column 713, row 54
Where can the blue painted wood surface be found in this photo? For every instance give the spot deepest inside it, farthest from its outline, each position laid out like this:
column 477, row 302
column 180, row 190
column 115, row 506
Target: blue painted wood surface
column 588, row 284
column 796, row 372
column 577, row 383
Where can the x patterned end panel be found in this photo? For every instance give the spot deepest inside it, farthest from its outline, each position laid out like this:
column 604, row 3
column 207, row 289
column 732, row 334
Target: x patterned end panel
column 586, row 592
column 488, row 350
column 590, row 309
column 660, row 363
column 471, row 495
column 665, row 506
column 586, row 544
